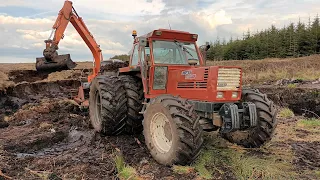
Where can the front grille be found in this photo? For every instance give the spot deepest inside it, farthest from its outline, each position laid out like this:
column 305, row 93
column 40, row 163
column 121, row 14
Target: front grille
column 192, row 85
column 228, row 79
column 185, row 84
column 197, row 84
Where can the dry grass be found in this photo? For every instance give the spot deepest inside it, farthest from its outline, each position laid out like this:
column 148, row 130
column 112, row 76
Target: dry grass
column 183, row 169
column 55, row 76
column 124, row 171
column 286, row 113
column 4, row 81
column 217, row 157
column 259, row 71
column 255, row 71
column 273, row 161
column 309, row 123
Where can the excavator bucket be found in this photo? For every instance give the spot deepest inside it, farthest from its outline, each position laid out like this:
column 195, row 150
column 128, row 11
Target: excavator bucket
column 59, row 63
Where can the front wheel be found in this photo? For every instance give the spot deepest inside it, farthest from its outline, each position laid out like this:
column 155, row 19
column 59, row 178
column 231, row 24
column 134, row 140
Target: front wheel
column 172, row 130
column 267, row 122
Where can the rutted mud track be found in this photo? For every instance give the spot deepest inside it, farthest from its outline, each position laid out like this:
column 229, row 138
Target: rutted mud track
column 44, row 131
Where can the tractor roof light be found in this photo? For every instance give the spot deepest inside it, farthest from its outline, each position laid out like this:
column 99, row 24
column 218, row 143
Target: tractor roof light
column 134, row 33
column 158, row 33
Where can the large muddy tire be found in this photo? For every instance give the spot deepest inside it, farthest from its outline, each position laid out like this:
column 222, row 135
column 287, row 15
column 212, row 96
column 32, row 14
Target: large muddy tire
column 134, row 92
column 172, row 130
column 108, row 105
column 267, row 122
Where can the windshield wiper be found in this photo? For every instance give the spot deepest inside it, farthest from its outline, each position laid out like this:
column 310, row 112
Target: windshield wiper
column 182, row 47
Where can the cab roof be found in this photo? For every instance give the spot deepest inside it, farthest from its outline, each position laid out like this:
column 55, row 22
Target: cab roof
column 171, row 34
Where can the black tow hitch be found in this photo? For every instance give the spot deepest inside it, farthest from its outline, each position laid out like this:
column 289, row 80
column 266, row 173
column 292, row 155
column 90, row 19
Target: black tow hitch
column 236, row 117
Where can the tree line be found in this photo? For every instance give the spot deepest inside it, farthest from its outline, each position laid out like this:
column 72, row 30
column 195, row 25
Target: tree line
column 295, row 40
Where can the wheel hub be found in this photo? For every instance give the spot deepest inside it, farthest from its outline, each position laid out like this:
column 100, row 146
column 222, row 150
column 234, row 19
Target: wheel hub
column 161, row 132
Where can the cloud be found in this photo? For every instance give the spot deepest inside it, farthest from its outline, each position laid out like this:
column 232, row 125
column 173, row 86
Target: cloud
column 112, row 21
column 212, row 20
column 7, row 20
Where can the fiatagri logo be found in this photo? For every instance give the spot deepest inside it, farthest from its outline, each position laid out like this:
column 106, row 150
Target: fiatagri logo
column 188, row 74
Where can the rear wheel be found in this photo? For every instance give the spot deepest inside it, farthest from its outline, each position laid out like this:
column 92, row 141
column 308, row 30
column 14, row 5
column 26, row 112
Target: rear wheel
column 267, row 122
column 134, row 92
column 172, row 131
column 107, row 105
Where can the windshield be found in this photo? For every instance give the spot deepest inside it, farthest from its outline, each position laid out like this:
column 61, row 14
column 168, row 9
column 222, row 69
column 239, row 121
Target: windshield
column 174, row 52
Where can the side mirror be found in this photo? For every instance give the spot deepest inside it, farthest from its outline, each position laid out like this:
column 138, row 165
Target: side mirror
column 204, row 53
column 142, row 41
column 207, row 46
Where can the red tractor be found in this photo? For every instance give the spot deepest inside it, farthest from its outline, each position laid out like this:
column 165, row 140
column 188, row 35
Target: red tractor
column 166, row 92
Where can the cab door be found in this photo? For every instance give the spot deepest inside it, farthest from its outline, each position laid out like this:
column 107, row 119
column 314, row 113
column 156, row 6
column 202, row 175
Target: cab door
column 144, row 67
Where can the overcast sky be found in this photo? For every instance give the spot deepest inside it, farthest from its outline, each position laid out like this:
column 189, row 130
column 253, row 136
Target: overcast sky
column 25, row 24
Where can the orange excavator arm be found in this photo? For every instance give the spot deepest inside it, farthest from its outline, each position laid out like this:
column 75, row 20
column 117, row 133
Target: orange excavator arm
column 68, row 14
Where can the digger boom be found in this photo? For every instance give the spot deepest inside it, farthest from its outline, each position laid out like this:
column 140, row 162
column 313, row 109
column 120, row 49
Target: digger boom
column 68, row 14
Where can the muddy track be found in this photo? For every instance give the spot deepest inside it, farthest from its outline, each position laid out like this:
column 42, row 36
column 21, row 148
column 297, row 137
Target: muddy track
column 45, row 131
column 42, row 130
column 308, row 155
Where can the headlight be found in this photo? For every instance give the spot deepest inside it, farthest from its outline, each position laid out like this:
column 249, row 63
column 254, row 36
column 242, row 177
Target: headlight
column 235, row 95
column 220, row 95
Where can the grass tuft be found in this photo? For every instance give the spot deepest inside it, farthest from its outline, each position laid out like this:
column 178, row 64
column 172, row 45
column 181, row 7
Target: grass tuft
column 201, row 165
column 309, row 123
column 124, row 171
column 223, row 162
column 292, row 86
column 317, row 173
column 286, row 113
column 252, row 167
column 183, row 169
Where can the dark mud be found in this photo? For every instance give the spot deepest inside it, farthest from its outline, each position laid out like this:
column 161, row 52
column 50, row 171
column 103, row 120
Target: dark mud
column 58, row 139
column 307, row 155
column 47, row 134
column 18, row 76
column 44, row 133
column 303, row 101
column 113, row 65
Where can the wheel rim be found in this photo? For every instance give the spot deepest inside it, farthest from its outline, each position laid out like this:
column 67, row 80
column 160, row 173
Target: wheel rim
column 97, row 110
column 161, row 132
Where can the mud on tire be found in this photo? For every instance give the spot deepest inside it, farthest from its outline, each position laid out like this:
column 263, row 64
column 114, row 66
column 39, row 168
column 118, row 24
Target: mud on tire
column 267, row 122
column 108, row 105
column 134, row 93
column 181, row 127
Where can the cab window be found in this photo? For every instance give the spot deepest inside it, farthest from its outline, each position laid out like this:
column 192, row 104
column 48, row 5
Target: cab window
column 135, row 56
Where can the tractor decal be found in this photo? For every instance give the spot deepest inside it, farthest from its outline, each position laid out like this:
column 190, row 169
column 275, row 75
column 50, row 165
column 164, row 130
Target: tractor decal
column 188, row 74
